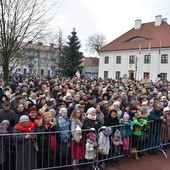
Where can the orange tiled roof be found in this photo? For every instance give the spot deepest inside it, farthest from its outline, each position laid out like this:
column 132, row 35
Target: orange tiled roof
column 152, row 34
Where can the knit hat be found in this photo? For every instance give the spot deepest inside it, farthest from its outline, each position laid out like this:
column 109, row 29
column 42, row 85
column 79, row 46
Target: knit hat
column 84, row 98
column 32, row 108
column 91, row 136
column 90, row 110
column 5, row 122
column 24, row 118
column 126, row 115
column 6, row 103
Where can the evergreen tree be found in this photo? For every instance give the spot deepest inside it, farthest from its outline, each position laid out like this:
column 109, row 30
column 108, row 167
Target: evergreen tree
column 71, row 57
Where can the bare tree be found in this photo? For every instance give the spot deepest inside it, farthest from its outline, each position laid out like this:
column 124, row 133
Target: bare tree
column 95, row 42
column 20, row 21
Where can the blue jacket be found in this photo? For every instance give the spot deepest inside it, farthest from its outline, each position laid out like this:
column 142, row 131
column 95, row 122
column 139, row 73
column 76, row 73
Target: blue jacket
column 125, row 129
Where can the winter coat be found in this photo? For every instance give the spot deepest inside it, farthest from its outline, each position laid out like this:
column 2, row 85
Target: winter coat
column 125, row 128
column 63, row 126
column 138, row 122
column 10, row 116
column 90, row 123
column 2, row 147
column 25, row 151
column 77, row 149
column 46, row 141
column 105, row 142
column 100, row 116
column 90, row 152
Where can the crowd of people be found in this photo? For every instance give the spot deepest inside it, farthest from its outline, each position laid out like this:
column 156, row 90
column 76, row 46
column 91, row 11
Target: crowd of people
column 83, row 118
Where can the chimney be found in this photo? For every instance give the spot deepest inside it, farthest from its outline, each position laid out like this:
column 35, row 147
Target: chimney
column 164, row 19
column 40, row 43
column 138, row 24
column 51, row 45
column 29, row 42
column 158, row 20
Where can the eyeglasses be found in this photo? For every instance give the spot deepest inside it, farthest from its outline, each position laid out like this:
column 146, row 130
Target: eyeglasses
column 6, row 105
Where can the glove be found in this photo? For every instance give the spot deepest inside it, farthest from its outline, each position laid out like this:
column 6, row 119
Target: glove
column 92, row 129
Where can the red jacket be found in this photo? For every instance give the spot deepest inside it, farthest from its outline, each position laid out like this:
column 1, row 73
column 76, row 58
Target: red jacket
column 77, row 149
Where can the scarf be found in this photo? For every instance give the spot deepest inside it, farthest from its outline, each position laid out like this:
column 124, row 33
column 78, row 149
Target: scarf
column 91, row 117
column 25, row 128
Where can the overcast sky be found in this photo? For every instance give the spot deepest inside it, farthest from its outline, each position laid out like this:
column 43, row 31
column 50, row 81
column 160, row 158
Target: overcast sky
column 111, row 18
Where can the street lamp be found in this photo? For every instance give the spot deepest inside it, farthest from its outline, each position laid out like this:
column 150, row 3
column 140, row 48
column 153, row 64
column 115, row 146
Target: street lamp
column 136, row 66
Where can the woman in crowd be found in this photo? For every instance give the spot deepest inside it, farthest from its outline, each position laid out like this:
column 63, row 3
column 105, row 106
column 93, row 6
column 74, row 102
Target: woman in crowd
column 63, row 137
column 91, row 121
column 47, row 141
column 24, row 144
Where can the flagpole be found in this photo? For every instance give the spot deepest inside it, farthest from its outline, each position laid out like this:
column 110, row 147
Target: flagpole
column 159, row 57
column 149, row 55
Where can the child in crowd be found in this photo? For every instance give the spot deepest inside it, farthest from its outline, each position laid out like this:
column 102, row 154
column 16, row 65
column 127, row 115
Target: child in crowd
column 126, row 131
column 104, row 144
column 139, row 123
column 90, row 152
column 77, row 147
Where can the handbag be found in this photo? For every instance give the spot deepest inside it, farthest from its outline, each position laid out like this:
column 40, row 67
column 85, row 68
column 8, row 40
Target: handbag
column 100, row 149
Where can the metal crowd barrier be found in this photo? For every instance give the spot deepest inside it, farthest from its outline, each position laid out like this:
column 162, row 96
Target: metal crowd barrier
column 17, row 153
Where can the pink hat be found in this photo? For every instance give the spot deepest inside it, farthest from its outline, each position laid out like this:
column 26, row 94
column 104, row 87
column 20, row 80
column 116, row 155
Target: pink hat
column 91, row 136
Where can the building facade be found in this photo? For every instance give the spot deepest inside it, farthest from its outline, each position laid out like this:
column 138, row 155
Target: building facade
column 41, row 60
column 91, row 67
column 142, row 52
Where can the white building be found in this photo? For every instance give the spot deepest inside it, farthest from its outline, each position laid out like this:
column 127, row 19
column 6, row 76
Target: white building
column 143, row 51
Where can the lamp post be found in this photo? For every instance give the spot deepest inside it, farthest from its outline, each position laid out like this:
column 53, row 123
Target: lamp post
column 136, row 67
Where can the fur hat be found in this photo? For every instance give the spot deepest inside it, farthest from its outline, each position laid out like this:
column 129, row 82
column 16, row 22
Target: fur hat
column 91, row 136
column 90, row 110
column 24, row 118
column 6, row 122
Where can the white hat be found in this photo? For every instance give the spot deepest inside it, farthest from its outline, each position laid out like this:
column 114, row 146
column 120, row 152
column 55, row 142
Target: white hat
column 5, row 122
column 90, row 110
column 24, row 118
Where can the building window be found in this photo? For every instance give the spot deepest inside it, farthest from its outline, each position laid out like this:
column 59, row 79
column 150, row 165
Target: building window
column 164, row 58
column 147, row 59
column 117, row 75
column 106, row 60
column 132, row 59
column 163, row 76
column 118, row 60
column 105, row 74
